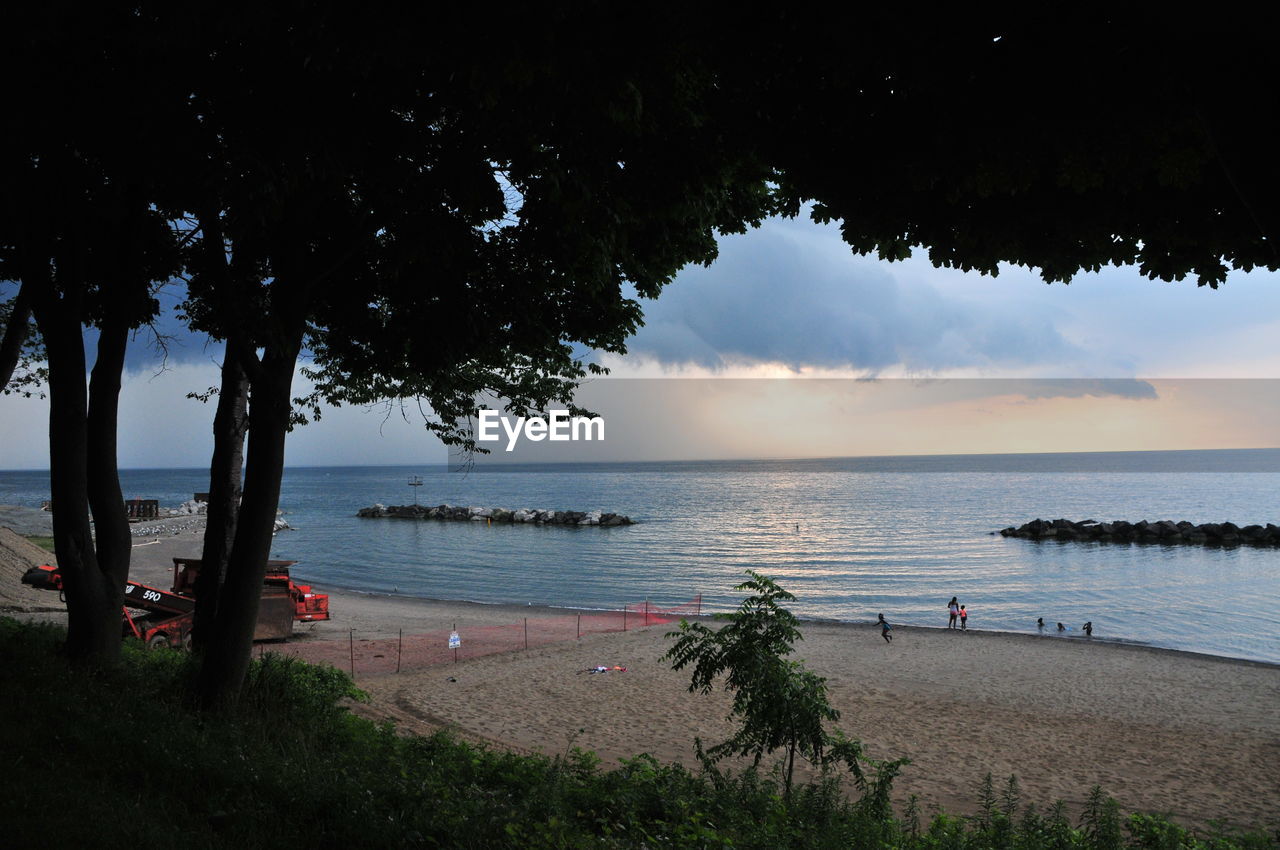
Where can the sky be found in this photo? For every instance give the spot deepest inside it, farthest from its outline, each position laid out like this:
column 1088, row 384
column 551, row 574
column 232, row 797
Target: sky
column 791, row 346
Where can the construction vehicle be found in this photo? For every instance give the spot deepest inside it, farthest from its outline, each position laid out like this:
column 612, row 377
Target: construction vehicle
column 164, row 617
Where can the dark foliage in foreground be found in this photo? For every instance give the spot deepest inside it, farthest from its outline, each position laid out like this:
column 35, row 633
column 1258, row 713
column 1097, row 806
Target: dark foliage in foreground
column 117, row 760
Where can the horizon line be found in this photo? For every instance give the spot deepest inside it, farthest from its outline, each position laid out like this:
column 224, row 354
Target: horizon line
column 771, row 459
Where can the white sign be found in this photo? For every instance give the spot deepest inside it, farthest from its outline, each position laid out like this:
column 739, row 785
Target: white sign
column 559, row 427
column 454, row 640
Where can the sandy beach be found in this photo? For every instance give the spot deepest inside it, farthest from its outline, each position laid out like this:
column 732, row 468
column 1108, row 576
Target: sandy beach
column 1162, row 731
column 1165, row 731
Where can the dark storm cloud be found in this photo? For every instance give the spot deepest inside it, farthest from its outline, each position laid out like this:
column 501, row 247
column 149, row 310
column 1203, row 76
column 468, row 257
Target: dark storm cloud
column 1085, row 387
column 782, row 296
column 166, row 342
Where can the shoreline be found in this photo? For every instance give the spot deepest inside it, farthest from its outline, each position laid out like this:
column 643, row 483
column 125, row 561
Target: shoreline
column 1237, row 641
column 549, row 610
column 182, row 537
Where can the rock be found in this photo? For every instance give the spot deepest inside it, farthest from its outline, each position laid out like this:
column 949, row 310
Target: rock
column 476, row 513
column 1144, row 531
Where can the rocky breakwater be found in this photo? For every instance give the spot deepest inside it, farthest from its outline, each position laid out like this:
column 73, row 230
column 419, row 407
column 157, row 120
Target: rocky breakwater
column 474, row 514
column 1162, row 531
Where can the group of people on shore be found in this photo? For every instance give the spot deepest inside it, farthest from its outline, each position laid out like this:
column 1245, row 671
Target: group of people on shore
column 959, row 614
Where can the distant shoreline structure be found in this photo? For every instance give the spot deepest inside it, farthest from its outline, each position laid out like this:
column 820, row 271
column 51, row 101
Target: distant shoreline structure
column 459, row 513
column 1163, row 531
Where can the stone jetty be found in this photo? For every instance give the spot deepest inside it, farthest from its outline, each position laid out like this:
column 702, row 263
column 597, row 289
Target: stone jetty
column 474, row 514
column 1162, row 531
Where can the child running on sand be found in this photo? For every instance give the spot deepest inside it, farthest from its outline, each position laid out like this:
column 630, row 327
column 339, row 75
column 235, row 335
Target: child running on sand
column 964, row 619
column 886, row 630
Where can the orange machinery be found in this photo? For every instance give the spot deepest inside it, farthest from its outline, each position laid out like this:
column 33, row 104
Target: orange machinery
column 164, row 617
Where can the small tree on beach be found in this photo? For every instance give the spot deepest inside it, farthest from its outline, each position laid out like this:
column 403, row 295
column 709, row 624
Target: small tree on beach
column 780, row 703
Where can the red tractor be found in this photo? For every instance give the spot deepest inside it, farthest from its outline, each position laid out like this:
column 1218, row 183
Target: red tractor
column 164, row 617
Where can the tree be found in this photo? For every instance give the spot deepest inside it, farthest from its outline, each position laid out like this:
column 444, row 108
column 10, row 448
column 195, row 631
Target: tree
column 81, row 232
column 449, row 208
column 780, row 704
column 999, row 137
column 20, row 348
column 435, row 228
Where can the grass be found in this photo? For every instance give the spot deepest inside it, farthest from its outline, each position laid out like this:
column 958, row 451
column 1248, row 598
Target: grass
column 117, row 759
column 45, row 543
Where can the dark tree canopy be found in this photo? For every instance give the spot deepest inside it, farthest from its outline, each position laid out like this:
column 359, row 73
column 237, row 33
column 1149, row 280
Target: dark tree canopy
column 1064, row 144
column 454, row 207
column 555, row 172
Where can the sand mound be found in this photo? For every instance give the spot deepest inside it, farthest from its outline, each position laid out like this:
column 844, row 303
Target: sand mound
column 17, row 555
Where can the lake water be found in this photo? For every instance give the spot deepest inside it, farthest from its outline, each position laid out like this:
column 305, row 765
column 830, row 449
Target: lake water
column 899, row 536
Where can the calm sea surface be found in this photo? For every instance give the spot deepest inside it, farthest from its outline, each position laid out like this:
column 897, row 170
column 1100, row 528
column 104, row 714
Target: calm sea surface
column 899, row 536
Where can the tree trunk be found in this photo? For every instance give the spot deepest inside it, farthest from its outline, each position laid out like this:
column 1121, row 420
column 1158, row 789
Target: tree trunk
column 112, row 540
column 229, row 426
column 15, row 334
column 93, row 601
column 226, row 658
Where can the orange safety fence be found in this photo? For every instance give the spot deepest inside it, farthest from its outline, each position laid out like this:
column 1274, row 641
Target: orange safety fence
column 372, row 656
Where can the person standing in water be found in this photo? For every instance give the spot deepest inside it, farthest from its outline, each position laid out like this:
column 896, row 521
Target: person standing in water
column 953, row 611
column 886, row 630
column 964, row 619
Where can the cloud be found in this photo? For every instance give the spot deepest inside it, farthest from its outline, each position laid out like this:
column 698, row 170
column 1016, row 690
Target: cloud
column 1085, row 388
column 791, row 293
column 949, row 390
